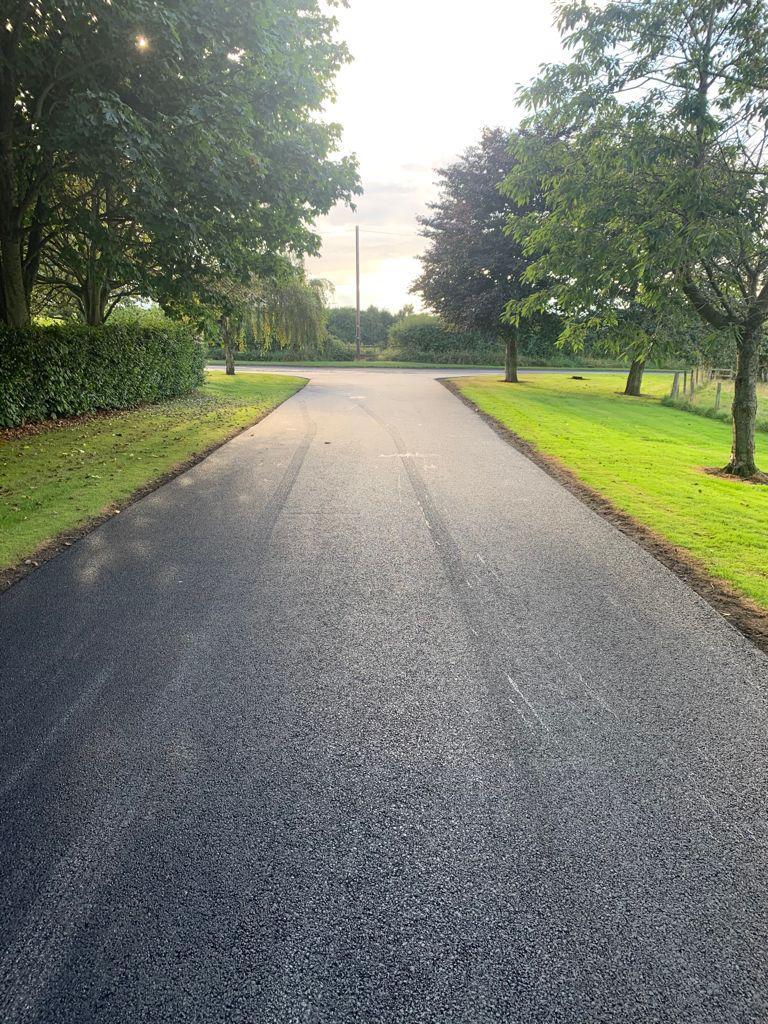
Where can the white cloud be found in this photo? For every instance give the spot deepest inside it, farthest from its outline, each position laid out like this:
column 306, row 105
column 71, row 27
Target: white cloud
column 427, row 76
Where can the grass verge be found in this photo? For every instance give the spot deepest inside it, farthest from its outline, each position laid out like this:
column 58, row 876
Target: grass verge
column 646, row 463
column 57, row 480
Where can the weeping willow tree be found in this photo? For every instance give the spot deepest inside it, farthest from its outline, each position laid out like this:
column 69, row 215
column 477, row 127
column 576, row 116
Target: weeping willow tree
column 287, row 313
column 281, row 311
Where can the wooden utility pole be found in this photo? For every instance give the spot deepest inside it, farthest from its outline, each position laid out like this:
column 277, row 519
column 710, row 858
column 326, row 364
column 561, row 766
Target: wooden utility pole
column 358, row 335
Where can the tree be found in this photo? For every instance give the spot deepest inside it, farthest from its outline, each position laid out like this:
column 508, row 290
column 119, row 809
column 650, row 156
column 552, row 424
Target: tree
column 341, row 323
column 650, row 143
column 284, row 310
column 374, row 325
column 472, row 268
column 290, row 312
column 100, row 253
column 191, row 129
column 637, row 332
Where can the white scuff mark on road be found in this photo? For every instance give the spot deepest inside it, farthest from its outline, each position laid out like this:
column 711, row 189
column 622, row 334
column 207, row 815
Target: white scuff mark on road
column 407, row 455
column 525, row 721
column 48, row 741
column 741, row 827
column 527, row 703
column 596, row 696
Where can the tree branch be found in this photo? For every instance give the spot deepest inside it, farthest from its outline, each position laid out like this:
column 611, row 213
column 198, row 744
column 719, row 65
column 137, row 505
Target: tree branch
column 706, row 309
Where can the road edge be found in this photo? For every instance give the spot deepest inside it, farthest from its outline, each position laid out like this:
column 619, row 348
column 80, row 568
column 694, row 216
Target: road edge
column 738, row 611
column 63, row 541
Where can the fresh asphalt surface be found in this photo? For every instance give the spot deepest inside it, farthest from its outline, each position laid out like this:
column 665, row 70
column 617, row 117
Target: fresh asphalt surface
column 366, row 719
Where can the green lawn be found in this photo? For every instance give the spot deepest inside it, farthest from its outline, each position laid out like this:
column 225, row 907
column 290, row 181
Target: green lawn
column 647, row 459
column 58, row 479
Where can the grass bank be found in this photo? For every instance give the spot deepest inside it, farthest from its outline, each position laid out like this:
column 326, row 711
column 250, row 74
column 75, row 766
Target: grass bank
column 648, row 461
column 57, row 479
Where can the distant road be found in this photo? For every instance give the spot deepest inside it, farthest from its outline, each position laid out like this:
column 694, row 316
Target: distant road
column 364, row 720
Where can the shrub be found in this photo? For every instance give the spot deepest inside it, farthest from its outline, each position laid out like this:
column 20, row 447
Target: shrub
column 140, row 316
column 68, row 369
column 422, row 338
column 337, row 348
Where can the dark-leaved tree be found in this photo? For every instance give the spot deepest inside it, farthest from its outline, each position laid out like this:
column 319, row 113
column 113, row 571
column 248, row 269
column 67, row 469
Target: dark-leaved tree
column 472, row 268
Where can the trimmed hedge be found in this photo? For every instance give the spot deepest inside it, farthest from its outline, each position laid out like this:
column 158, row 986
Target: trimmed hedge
column 69, row 369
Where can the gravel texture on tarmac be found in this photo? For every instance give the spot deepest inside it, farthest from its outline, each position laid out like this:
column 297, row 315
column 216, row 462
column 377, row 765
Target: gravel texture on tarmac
column 365, row 719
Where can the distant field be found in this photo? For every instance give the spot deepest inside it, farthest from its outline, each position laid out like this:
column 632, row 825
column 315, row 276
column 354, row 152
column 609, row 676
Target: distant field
column 648, row 459
column 56, row 480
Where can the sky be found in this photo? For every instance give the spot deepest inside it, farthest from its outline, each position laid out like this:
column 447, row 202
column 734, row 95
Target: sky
column 426, row 77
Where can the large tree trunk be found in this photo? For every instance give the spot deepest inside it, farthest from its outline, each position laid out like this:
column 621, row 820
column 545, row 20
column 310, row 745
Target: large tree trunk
column 15, row 306
column 35, row 243
column 230, row 337
column 229, row 355
column 635, row 378
column 510, row 360
column 95, row 299
column 229, row 359
column 745, row 401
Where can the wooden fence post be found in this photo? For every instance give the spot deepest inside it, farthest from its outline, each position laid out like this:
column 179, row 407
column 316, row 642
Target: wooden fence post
column 718, row 395
column 676, row 386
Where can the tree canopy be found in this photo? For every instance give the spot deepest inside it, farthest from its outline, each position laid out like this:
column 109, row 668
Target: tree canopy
column 375, row 325
column 649, row 146
column 472, row 268
column 146, row 143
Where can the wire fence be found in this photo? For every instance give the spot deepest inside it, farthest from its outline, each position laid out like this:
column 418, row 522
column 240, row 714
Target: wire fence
column 710, row 390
